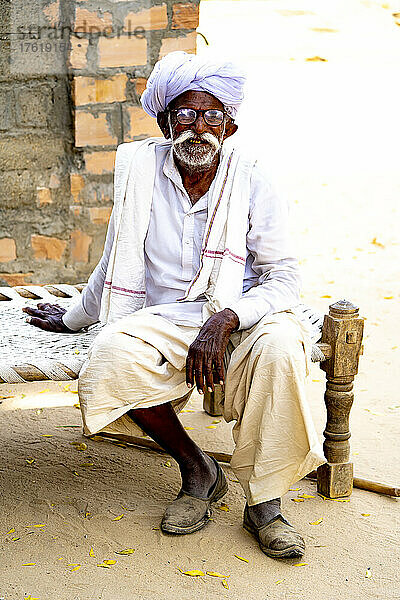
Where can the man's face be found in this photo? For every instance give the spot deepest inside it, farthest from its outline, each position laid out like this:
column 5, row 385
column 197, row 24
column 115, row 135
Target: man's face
column 197, row 144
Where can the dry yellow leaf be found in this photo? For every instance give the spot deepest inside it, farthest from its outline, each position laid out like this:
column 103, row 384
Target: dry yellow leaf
column 376, row 243
column 40, row 525
column 211, row 427
column 45, row 435
column 225, row 584
column 109, row 562
column 326, row 296
column 126, row 551
column 188, row 428
column 75, row 473
column 11, row 531
column 168, row 464
column 76, row 568
column 86, row 465
column 241, row 558
column 316, row 59
column 317, row 522
column 216, row 574
column 73, row 564
column 279, row 581
column 118, row 518
column 368, row 573
column 365, row 514
column 66, row 387
column 216, row 421
column 294, row 489
column 91, row 552
column 224, row 507
column 300, row 564
column 104, row 566
column 388, row 297
column 30, row 461
column 74, row 391
column 15, row 539
column 306, row 496
column 44, row 391
column 194, row 573
column 297, row 499
column 81, row 447
column 29, row 564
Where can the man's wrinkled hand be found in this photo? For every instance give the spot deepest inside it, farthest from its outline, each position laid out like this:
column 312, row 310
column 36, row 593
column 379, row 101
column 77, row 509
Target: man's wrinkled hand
column 204, row 362
column 48, row 317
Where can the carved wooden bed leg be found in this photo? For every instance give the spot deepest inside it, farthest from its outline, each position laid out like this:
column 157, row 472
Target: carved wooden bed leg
column 343, row 330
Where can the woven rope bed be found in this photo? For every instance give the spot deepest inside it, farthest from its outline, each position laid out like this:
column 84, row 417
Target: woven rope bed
column 31, row 354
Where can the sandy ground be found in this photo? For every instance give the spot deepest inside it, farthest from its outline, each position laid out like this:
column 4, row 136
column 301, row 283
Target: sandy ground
column 328, row 132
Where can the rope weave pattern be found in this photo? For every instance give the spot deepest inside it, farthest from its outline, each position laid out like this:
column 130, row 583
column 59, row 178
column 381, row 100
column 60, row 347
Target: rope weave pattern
column 53, row 354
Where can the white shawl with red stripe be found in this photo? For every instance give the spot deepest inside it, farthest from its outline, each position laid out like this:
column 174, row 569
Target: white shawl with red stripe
column 223, row 255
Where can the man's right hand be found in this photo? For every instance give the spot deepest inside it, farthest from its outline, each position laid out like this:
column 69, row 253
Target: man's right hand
column 48, row 317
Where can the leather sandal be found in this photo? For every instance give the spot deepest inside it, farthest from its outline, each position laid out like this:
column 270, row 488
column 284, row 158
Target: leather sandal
column 277, row 538
column 188, row 513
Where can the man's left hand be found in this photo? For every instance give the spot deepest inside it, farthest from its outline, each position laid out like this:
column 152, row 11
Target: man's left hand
column 206, row 353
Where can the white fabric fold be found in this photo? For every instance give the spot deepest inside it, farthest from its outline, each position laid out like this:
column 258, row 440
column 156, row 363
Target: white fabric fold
column 223, row 255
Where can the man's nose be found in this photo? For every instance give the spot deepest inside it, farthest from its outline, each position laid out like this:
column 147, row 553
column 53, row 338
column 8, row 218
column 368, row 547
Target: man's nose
column 199, row 125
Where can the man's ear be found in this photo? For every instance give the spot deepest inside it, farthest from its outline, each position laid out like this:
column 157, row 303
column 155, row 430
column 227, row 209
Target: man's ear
column 230, row 128
column 162, row 120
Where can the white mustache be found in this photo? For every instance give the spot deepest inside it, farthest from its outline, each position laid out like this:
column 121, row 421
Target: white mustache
column 205, row 137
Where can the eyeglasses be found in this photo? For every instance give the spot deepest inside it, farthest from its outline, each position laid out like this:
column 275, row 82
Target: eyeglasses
column 187, row 116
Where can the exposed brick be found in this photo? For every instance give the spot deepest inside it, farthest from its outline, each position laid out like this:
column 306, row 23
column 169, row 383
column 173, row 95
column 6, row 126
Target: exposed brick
column 100, row 215
column 88, row 90
column 140, row 85
column 49, row 248
column 16, row 278
column 90, row 22
column 122, row 52
column 153, row 18
column 33, row 106
column 43, row 196
column 92, row 130
column 80, row 243
column 140, row 124
column 8, row 250
column 77, row 57
column 186, row 43
column 52, row 12
column 185, row 16
column 77, row 184
column 99, row 162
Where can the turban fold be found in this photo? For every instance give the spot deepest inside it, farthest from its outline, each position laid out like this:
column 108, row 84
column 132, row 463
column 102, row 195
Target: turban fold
column 178, row 72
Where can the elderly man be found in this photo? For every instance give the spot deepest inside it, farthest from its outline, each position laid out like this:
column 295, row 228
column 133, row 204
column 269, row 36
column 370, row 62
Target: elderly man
column 197, row 285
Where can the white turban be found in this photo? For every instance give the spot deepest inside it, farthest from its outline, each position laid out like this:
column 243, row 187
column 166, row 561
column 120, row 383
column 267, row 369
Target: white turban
column 178, row 72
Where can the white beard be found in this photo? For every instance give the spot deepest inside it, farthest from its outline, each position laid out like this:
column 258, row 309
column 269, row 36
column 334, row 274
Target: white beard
column 196, row 157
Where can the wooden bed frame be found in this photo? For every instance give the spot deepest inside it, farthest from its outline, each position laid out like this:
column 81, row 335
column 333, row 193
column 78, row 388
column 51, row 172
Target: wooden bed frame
column 338, row 353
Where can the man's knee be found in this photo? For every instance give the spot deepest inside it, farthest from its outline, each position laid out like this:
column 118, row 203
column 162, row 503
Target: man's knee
column 282, row 342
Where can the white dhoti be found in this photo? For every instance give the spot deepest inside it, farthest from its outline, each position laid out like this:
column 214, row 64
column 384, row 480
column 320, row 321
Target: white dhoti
column 139, row 362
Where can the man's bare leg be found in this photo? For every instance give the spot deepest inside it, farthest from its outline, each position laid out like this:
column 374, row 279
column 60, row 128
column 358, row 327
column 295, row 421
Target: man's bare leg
column 161, row 423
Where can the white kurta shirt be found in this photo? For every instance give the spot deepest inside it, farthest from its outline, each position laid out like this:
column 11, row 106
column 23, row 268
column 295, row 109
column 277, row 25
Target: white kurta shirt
column 172, row 254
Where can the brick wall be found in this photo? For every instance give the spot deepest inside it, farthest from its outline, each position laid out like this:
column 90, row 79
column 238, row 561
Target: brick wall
column 59, row 131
